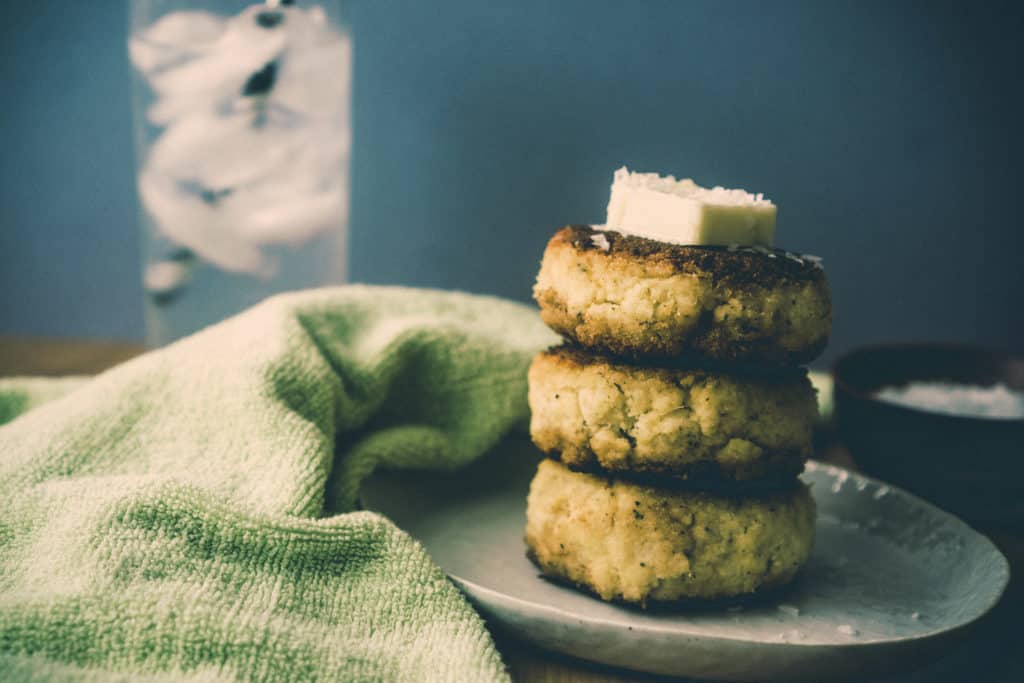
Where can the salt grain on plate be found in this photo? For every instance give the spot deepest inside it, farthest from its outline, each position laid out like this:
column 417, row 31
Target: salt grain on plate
column 998, row 401
column 790, row 610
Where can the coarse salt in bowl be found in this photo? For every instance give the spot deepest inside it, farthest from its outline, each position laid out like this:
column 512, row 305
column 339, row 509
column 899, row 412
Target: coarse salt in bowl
column 944, row 421
column 967, row 400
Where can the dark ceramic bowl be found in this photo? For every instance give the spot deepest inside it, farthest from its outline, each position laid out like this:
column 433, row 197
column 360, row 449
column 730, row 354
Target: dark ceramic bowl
column 971, row 466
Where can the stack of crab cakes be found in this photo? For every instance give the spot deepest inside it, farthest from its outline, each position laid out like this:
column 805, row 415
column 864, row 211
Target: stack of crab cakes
column 676, row 416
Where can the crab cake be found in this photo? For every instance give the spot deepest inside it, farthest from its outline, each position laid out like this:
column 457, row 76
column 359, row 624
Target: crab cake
column 638, row 297
column 593, row 412
column 639, row 544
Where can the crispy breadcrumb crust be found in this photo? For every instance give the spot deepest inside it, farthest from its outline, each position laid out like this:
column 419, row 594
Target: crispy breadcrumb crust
column 639, row 544
column 595, row 413
column 636, row 297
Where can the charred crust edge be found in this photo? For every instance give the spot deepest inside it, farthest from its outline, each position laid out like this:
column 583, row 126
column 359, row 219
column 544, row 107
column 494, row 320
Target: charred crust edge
column 780, row 476
column 572, row 352
column 739, row 266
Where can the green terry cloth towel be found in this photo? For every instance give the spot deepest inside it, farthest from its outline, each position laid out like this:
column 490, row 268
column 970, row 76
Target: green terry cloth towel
column 192, row 514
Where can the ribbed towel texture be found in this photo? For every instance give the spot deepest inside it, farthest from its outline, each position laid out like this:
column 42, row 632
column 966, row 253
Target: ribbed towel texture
column 190, row 514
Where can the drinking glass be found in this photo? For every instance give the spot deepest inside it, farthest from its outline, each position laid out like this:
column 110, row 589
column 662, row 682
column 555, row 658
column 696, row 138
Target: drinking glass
column 243, row 134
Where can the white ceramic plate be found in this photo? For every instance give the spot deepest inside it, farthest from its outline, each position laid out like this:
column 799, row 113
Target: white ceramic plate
column 891, row 582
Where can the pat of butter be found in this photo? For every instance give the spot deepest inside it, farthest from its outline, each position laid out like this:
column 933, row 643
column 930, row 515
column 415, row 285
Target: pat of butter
column 682, row 212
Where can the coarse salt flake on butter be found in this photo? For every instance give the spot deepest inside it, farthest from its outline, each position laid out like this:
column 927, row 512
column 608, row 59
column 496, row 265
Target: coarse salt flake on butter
column 682, row 212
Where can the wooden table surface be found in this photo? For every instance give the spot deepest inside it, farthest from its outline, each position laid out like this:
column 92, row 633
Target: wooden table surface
column 991, row 652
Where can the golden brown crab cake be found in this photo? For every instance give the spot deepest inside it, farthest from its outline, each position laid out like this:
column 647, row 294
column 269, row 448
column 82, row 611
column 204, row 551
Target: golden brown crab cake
column 691, row 423
column 639, row 544
column 638, row 297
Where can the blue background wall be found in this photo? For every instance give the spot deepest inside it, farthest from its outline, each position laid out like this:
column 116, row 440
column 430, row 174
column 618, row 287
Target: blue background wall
column 887, row 132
